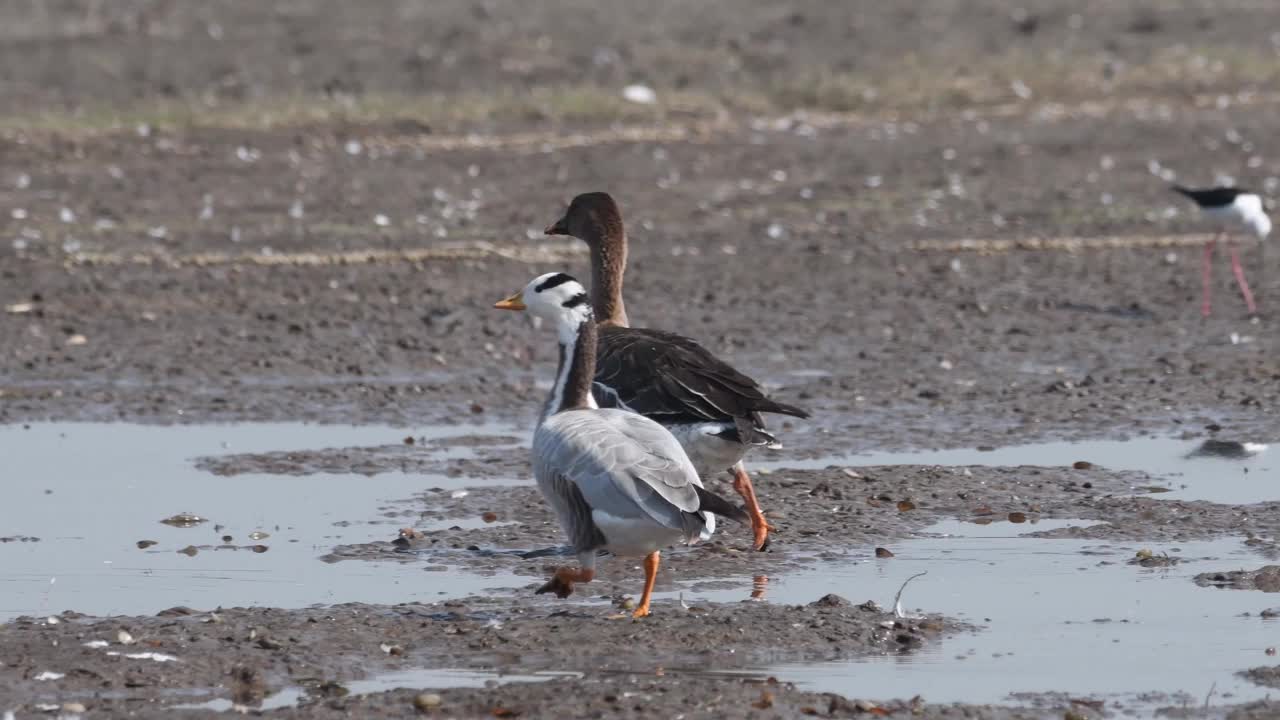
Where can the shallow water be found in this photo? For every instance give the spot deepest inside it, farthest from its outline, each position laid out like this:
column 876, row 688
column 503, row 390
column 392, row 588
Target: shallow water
column 1001, row 528
column 90, row 492
column 1176, row 464
column 415, row 678
column 1056, row 615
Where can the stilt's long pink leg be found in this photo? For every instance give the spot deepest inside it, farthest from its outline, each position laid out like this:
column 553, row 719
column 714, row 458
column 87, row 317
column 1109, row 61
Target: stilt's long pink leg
column 1206, row 277
column 1238, row 271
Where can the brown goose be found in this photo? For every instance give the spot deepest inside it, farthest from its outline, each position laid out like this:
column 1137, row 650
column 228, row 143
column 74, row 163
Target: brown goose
column 713, row 410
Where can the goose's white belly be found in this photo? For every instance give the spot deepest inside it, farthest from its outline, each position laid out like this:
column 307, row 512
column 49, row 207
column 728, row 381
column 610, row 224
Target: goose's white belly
column 635, row 537
column 709, row 453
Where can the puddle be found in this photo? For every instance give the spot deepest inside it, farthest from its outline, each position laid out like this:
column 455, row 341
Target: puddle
column 415, row 679
column 1056, row 615
column 92, row 492
column 1229, row 473
column 1000, row 528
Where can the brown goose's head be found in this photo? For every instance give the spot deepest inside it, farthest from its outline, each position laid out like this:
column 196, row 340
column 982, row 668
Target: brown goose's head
column 593, row 218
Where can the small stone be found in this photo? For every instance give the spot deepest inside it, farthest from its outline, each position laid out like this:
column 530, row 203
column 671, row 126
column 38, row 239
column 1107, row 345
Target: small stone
column 176, row 611
column 1082, row 465
column 184, row 520
column 883, row 553
column 426, row 702
column 640, row 94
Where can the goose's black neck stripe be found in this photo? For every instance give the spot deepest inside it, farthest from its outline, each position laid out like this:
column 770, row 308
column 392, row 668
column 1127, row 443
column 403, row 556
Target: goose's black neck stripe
column 574, row 374
column 582, row 368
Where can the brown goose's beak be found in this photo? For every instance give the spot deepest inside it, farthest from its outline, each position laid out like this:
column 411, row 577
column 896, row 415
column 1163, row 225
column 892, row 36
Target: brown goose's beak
column 559, row 227
column 515, row 302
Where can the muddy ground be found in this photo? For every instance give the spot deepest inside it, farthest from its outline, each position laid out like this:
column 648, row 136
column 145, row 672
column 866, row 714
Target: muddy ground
column 223, row 212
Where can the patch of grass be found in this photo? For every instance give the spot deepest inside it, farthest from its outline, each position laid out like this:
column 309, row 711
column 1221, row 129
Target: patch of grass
column 445, row 111
column 916, row 83
column 912, row 84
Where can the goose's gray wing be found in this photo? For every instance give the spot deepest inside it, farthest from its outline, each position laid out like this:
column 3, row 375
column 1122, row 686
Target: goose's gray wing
column 574, row 513
column 622, row 464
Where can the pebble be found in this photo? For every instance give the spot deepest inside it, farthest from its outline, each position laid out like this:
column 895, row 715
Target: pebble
column 640, row 94
column 427, row 701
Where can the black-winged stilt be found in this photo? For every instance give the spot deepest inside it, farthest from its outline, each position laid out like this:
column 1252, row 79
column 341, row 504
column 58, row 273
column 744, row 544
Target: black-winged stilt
column 1231, row 208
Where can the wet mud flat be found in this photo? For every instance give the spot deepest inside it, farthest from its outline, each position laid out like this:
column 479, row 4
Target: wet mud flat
column 253, row 654
column 955, row 233
column 345, row 275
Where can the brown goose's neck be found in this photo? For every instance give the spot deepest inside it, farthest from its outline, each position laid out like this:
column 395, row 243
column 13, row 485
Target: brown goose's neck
column 608, row 264
column 572, row 389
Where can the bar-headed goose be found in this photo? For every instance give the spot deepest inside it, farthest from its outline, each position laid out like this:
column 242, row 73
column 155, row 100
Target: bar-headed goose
column 712, row 409
column 615, row 480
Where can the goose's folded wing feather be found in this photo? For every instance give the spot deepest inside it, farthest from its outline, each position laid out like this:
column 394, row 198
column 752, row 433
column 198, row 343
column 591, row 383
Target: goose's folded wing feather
column 575, row 514
column 657, row 373
column 623, row 464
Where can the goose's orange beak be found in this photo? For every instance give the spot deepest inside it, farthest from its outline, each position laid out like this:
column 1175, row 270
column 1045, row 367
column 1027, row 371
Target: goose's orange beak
column 515, row 302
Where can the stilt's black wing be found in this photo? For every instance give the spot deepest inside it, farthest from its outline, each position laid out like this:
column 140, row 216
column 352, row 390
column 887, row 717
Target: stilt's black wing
column 1212, row 197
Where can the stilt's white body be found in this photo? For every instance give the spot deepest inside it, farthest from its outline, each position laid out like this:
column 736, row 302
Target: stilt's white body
column 1245, row 211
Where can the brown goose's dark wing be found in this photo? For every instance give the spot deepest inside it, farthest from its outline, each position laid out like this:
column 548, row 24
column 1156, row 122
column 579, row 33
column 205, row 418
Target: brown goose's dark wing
column 673, row 379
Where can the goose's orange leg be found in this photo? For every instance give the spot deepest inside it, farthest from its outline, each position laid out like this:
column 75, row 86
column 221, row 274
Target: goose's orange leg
column 562, row 582
column 759, row 526
column 650, row 577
